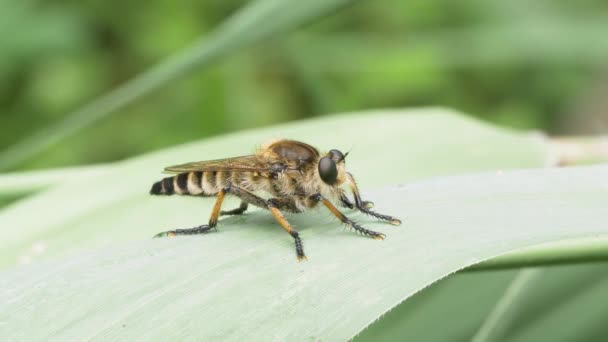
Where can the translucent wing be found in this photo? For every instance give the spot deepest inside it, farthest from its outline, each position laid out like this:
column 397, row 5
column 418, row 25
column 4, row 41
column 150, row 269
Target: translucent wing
column 244, row 163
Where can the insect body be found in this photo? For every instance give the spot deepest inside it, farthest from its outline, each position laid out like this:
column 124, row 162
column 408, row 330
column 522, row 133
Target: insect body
column 293, row 173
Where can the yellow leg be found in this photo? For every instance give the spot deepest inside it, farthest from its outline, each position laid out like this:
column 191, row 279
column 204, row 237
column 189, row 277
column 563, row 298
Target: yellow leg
column 332, row 208
column 288, row 228
column 215, row 213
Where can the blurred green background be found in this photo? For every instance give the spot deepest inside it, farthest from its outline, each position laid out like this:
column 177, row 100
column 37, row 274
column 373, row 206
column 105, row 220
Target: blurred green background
column 532, row 65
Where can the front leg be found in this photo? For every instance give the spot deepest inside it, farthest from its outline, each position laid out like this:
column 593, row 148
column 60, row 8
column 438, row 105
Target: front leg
column 337, row 213
column 348, row 204
column 365, row 206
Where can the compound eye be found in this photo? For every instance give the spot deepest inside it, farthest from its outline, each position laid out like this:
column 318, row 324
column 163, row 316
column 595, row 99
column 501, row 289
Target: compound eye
column 336, row 155
column 328, row 170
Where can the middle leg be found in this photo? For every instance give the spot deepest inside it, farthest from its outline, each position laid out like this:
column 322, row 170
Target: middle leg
column 237, row 211
column 275, row 205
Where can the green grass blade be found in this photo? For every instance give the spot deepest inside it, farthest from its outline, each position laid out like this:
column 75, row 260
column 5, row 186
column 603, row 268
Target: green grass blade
column 416, row 144
column 576, row 316
column 243, row 279
column 257, row 21
column 442, row 304
column 22, row 183
column 461, row 303
column 499, row 319
column 583, row 251
column 240, row 282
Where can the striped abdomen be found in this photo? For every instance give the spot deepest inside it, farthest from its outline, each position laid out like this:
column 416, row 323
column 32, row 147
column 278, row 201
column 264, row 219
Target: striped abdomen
column 206, row 183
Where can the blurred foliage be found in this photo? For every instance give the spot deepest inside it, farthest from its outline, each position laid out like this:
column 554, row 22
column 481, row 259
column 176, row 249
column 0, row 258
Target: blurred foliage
column 517, row 63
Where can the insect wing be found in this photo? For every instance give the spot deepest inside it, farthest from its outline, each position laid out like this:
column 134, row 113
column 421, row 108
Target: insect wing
column 244, row 163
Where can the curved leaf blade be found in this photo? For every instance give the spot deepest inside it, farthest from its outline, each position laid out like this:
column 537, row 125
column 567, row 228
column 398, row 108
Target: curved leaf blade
column 188, row 288
column 399, row 145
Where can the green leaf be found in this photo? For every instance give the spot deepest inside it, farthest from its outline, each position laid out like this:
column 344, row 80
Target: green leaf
column 495, row 325
column 243, row 281
column 463, row 302
column 387, row 147
column 20, row 183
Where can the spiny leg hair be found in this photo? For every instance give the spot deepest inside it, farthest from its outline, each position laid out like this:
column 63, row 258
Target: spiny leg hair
column 352, row 224
column 206, row 228
column 365, row 206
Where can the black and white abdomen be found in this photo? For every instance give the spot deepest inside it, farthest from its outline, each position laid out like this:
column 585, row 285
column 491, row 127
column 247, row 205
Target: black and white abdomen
column 197, row 183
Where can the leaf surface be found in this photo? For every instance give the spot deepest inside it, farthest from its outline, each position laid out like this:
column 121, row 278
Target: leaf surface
column 109, row 280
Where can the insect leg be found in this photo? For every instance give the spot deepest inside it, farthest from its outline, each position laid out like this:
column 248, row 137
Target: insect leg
column 215, row 213
column 272, row 206
column 332, row 208
column 282, row 203
column 237, row 211
column 247, row 196
column 346, row 202
column 365, row 206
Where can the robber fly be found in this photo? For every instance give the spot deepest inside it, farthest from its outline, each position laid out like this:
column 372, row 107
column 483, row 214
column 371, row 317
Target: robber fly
column 293, row 173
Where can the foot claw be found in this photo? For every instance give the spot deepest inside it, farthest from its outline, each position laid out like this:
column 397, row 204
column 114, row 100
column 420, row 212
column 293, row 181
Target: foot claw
column 395, row 222
column 164, row 234
column 380, row 236
column 302, row 258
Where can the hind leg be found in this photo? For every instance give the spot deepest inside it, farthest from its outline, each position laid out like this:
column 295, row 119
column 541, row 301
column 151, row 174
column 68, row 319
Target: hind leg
column 215, row 213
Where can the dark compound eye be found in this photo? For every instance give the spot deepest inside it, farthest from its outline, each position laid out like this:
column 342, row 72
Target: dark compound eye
column 336, row 156
column 328, row 170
